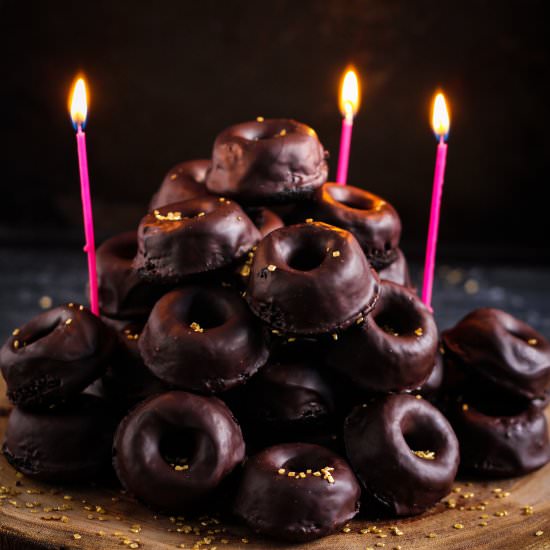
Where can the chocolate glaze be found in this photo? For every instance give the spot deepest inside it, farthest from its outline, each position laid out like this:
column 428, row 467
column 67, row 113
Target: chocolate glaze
column 299, row 275
column 55, row 356
column 183, row 182
column 203, row 339
column 208, row 233
column 265, row 220
column 373, row 221
column 296, row 508
column 397, row 271
column 381, row 439
column 68, row 443
column 499, row 437
column 272, row 161
column 182, row 429
column 393, row 349
column 433, row 384
column 122, row 294
column 502, row 349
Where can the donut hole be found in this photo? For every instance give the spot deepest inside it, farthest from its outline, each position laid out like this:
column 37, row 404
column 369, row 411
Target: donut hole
column 201, row 309
column 420, row 436
column 511, row 406
column 397, row 320
column 179, row 448
column 307, row 254
column 351, row 198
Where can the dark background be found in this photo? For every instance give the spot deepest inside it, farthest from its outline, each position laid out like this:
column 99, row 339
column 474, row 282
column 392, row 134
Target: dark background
column 167, row 76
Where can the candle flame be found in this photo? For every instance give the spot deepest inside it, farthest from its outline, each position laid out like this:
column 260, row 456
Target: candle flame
column 440, row 117
column 349, row 94
column 79, row 103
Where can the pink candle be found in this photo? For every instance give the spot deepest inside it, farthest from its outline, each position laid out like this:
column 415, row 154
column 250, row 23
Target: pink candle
column 349, row 103
column 78, row 114
column 440, row 121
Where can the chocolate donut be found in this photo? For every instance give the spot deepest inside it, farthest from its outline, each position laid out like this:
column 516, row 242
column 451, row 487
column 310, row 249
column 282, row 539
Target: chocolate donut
column 127, row 380
column 502, row 349
column 433, row 384
column 174, row 450
column 373, row 221
column 297, row 492
column 203, row 339
column 68, row 443
column 397, row 271
column 404, row 452
column 311, row 278
column 122, row 294
column 267, row 161
column 265, row 220
column 191, row 237
column 55, row 356
column 393, row 349
column 183, row 182
column 500, row 438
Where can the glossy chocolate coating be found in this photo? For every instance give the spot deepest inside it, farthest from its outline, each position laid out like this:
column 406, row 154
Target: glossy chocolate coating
column 183, row 182
column 502, row 349
column 68, row 443
column 500, row 437
column 433, row 384
column 177, row 426
column 128, row 380
column 393, row 349
column 397, row 271
column 122, row 294
column 381, row 439
column 374, row 222
column 311, row 278
column 272, row 161
column 297, row 508
column 195, row 236
column 265, row 220
column 55, row 356
column 203, row 339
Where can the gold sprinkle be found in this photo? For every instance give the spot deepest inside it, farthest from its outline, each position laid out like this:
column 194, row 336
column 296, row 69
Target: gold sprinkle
column 346, row 530
column 380, row 544
column 244, row 541
column 76, row 536
column 418, row 396
column 67, row 497
column 335, row 253
column 169, row 216
column 16, row 344
column 275, row 331
column 179, row 468
column 195, row 327
column 532, row 341
column 302, row 475
column 334, row 336
column 497, row 490
column 359, row 320
column 317, row 474
column 458, row 526
column 291, row 474
column 419, row 331
column 291, row 339
column 16, row 332
column 308, row 471
column 282, row 133
column 431, row 535
column 245, row 270
column 173, row 176
column 483, row 524
column 539, row 533
column 133, row 545
column 80, row 308
column 45, row 302
column 68, row 321
column 260, row 118
column 271, row 267
column 527, row 510
column 465, row 407
column 426, row 455
column 309, row 220
column 501, row 514
column 239, row 218
column 281, row 471
column 457, row 489
column 201, row 214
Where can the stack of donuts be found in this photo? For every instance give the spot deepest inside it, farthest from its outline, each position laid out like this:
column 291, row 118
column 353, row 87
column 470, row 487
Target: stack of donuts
column 262, row 353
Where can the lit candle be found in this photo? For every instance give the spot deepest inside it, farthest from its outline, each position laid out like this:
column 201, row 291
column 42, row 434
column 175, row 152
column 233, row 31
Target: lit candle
column 349, row 104
column 440, row 124
column 79, row 109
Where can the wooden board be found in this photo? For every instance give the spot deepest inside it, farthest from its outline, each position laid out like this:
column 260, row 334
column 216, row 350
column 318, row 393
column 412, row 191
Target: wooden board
column 37, row 516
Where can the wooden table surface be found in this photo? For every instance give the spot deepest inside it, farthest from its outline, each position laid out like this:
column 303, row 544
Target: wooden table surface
column 34, row 515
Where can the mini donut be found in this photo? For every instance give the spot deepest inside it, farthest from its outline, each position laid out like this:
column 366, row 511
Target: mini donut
column 265, row 220
column 267, row 161
column 195, row 236
column 310, row 278
column 297, row 492
column 500, row 438
column 203, row 339
column 397, row 271
column 68, row 443
column 373, row 221
column 183, row 182
column 127, row 380
column 404, row 452
column 393, row 349
column 122, row 294
column 55, row 356
column 498, row 347
column 174, row 450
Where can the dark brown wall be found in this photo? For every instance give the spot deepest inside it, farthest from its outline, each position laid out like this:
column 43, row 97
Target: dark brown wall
column 166, row 76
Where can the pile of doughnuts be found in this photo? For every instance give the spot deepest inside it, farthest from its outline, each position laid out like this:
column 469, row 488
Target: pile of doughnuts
column 261, row 352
